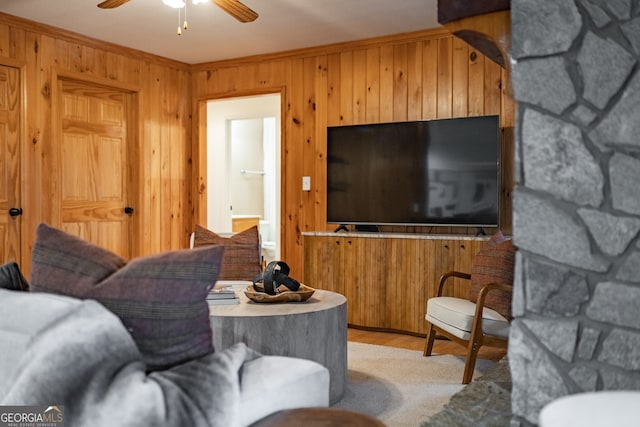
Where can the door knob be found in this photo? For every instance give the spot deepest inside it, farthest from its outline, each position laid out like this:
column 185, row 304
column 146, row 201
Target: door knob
column 15, row 211
column 128, row 210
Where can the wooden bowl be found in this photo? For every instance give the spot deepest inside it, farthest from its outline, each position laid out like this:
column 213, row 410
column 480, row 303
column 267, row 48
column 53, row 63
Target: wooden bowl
column 302, row 294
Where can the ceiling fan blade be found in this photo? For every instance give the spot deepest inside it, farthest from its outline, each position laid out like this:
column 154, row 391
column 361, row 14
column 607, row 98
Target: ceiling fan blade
column 236, row 9
column 110, row 4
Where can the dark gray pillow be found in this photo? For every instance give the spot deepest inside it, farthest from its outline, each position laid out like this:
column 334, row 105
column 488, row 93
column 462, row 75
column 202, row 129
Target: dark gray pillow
column 11, row 277
column 160, row 298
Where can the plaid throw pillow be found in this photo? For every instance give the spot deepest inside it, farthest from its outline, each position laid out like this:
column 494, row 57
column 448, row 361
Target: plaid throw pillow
column 494, row 264
column 160, row 299
column 241, row 259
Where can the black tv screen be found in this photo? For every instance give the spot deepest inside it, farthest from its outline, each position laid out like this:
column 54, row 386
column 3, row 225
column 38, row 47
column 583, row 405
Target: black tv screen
column 436, row 172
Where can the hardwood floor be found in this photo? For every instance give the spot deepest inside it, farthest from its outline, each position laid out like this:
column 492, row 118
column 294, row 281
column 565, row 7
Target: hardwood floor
column 412, row 342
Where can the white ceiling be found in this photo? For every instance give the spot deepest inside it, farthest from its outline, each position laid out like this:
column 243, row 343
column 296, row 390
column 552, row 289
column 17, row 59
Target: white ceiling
column 150, row 26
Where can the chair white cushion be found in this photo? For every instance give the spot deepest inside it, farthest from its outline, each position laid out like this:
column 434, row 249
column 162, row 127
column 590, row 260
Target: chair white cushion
column 455, row 315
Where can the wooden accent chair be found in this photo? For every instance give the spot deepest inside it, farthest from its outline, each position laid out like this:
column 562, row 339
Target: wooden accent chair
column 484, row 318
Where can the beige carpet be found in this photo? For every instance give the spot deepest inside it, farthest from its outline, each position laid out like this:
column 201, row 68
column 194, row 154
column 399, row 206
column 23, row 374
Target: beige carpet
column 400, row 387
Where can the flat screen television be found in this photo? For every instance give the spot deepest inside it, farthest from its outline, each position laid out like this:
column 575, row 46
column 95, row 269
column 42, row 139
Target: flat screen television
column 434, row 173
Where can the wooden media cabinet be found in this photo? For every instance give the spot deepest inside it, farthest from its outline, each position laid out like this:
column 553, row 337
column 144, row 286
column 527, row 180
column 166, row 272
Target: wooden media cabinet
column 387, row 277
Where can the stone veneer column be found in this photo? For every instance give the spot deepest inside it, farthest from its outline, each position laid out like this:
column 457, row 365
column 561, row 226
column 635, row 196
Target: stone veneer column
column 576, row 220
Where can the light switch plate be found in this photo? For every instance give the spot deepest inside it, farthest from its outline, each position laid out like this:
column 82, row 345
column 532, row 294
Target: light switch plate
column 306, row 183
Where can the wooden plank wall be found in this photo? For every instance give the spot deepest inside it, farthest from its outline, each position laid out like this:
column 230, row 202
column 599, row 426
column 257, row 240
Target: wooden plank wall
column 162, row 90
column 424, row 75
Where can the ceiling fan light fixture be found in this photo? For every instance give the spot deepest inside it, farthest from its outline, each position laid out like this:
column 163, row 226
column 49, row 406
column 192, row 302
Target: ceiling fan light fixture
column 235, row 8
column 176, row 4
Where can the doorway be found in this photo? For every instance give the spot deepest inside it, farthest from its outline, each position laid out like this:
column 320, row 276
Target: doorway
column 243, row 167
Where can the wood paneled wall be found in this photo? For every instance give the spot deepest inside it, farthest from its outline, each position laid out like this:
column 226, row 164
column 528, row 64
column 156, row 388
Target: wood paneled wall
column 425, row 75
column 161, row 87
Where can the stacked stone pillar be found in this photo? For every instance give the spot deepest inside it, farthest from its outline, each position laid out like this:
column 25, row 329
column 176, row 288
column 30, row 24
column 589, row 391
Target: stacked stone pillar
column 576, row 78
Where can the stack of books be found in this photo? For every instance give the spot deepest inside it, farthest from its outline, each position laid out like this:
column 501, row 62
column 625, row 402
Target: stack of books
column 222, row 295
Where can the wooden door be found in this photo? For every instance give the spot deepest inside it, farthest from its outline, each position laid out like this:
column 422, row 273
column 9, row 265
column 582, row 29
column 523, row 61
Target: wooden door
column 95, row 182
column 9, row 165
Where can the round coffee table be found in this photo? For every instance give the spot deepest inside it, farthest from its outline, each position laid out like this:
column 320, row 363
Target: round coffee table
column 315, row 329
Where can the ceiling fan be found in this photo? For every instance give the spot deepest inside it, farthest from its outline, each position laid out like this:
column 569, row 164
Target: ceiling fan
column 233, row 7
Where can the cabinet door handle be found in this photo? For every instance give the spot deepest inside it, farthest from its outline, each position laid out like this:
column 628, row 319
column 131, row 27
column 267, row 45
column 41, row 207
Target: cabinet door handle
column 128, row 210
column 15, row 211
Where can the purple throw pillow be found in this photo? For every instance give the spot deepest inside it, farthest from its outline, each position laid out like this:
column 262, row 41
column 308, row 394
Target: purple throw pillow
column 160, row 299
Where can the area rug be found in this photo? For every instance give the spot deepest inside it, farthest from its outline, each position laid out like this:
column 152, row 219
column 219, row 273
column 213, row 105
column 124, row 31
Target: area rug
column 401, row 387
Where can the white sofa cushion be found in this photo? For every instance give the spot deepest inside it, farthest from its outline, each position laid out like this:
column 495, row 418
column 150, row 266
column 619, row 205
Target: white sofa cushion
column 274, row 383
column 455, row 315
column 31, row 322
column 592, row 409
column 22, row 319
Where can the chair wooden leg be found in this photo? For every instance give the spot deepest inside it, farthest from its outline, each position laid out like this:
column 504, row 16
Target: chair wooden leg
column 470, row 363
column 428, row 345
